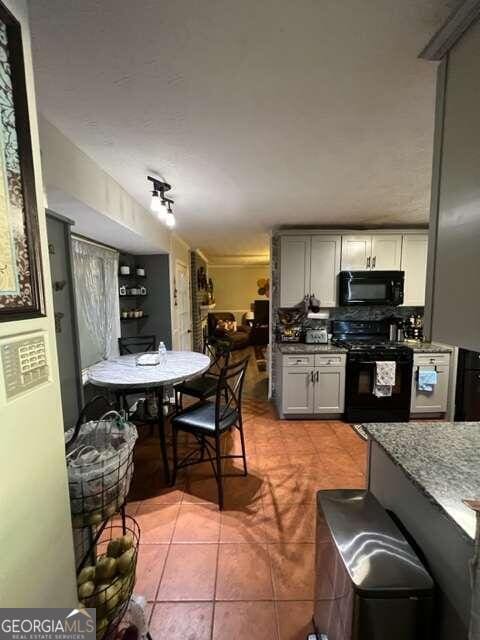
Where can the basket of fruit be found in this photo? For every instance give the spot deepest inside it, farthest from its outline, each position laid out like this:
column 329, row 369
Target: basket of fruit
column 107, row 585
column 100, row 468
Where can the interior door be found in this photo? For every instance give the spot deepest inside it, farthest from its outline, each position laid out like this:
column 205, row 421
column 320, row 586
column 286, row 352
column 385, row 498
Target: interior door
column 356, row 253
column 294, row 270
column 182, row 332
column 324, row 268
column 65, row 322
column 414, row 263
column 386, row 252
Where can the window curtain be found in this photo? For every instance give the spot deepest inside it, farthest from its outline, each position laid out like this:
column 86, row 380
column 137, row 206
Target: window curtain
column 95, row 270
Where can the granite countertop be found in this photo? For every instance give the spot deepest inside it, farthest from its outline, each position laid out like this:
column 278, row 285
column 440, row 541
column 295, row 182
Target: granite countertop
column 441, row 458
column 427, row 347
column 301, row 347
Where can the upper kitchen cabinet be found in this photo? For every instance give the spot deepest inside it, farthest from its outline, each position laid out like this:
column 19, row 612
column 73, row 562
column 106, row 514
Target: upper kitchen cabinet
column 386, row 252
column 367, row 252
column 309, row 265
column 356, row 253
column 294, row 269
column 324, row 268
column 414, row 263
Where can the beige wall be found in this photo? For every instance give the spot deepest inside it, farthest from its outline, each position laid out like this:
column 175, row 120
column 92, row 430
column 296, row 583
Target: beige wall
column 37, row 566
column 236, row 286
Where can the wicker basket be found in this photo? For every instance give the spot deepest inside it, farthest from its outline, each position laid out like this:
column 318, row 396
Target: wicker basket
column 100, row 469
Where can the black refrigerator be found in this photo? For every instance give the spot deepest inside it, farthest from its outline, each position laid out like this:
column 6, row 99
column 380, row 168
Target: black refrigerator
column 467, row 396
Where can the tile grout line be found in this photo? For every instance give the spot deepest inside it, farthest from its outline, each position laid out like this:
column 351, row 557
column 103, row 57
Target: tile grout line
column 166, row 557
column 275, row 607
column 215, row 584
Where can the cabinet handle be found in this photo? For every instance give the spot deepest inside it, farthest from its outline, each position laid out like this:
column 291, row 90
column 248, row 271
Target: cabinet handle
column 318, row 376
column 312, row 374
column 374, row 262
column 368, row 262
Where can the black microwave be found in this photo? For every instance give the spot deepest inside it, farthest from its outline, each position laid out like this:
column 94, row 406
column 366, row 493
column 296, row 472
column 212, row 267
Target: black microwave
column 371, row 288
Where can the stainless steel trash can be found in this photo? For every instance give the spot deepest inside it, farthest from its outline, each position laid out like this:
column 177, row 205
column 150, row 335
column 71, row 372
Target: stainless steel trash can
column 370, row 584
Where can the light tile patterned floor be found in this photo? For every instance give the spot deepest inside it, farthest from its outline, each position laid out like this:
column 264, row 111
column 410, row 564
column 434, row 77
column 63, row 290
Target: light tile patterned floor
column 248, row 571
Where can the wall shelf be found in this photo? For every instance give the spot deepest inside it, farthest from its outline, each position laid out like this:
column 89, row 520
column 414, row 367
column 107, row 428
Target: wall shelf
column 133, row 295
column 139, row 318
column 131, row 275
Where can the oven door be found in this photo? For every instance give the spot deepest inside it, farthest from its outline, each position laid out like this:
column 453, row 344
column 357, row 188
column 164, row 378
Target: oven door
column 371, row 288
column 361, row 403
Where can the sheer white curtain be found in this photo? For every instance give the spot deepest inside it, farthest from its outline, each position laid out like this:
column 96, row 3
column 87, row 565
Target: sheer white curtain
column 95, row 272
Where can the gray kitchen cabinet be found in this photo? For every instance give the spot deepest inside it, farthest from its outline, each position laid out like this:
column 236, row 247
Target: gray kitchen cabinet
column 313, row 384
column 329, row 394
column 356, row 252
column 297, row 390
column 380, row 252
column 294, row 269
column 414, row 263
column 309, row 265
column 324, row 268
column 434, row 401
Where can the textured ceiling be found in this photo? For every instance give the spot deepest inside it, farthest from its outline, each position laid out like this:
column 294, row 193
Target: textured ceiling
column 259, row 113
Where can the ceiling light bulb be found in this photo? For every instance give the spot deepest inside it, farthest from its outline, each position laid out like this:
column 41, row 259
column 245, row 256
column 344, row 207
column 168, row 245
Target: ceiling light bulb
column 162, row 214
column 170, row 220
column 155, row 202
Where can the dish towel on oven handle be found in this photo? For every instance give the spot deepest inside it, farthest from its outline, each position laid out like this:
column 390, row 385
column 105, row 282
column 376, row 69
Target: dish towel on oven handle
column 427, row 378
column 385, row 371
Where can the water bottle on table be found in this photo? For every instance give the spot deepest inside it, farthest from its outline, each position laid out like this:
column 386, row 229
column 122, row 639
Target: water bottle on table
column 162, row 353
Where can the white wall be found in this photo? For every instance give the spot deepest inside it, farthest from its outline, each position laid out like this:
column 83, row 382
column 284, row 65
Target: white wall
column 235, row 287
column 36, row 566
column 74, row 184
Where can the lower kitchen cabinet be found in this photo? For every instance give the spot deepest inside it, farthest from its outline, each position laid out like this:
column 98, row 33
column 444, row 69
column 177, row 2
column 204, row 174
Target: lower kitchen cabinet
column 329, row 391
column 313, row 385
column 297, row 390
column 434, row 401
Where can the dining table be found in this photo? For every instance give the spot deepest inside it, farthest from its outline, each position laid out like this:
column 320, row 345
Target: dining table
column 123, row 373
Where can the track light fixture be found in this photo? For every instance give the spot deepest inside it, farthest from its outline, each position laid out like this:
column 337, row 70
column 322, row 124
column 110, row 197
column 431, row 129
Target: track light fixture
column 159, row 199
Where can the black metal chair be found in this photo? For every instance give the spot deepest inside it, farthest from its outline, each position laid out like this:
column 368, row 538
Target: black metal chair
column 208, row 421
column 93, row 410
column 130, row 346
column 205, row 386
column 137, row 344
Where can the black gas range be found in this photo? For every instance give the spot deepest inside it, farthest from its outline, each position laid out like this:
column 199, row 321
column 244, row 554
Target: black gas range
column 367, row 343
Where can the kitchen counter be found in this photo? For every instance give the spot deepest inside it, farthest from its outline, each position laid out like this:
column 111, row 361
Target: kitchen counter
column 441, row 459
column 427, row 347
column 300, row 347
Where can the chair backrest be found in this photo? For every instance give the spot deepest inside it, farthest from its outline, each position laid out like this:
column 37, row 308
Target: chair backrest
column 137, row 344
column 229, row 390
column 218, row 350
column 213, row 318
column 93, row 410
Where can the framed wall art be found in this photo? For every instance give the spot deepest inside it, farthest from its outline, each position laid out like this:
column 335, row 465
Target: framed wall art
column 21, row 285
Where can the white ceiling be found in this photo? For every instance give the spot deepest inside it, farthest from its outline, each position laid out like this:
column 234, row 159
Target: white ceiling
column 259, row 113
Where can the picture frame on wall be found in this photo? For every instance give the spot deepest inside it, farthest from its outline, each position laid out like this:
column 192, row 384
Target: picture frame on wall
column 21, row 282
